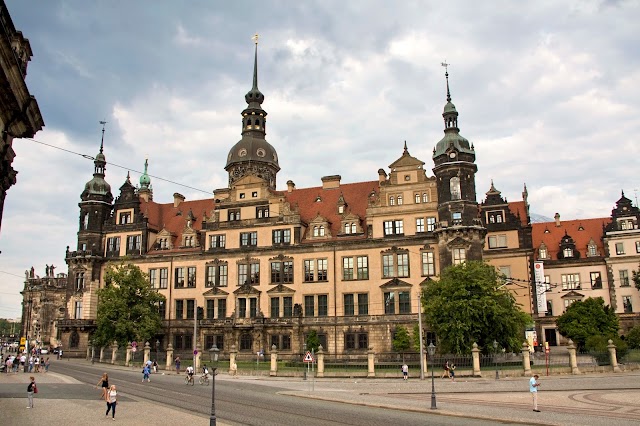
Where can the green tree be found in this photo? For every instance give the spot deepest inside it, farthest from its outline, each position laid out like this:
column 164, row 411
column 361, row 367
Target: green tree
column 401, row 340
column 127, row 307
column 313, row 341
column 586, row 318
column 633, row 337
column 469, row 304
column 636, row 277
column 416, row 337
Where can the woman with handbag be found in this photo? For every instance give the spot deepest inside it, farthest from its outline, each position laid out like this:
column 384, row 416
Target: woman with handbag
column 31, row 389
column 112, row 401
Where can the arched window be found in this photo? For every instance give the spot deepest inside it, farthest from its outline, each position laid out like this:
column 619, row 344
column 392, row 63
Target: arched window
column 417, row 197
column 321, row 230
column 454, row 187
column 392, row 201
column 425, row 197
column 257, row 122
column 347, row 228
column 567, row 252
column 316, row 231
column 399, row 200
column 248, row 122
column 353, row 228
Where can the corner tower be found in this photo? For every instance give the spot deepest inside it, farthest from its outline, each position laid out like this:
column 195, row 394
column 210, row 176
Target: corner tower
column 460, row 231
column 253, row 155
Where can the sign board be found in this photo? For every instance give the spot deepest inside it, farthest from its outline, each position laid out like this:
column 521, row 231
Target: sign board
column 540, row 286
column 133, row 349
column 195, row 352
column 308, row 357
column 134, row 344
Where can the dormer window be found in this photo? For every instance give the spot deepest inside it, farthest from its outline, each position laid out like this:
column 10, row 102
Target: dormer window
column 543, row 253
column 340, row 209
column 567, row 252
column 125, row 218
column 592, row 249
column 318, row 231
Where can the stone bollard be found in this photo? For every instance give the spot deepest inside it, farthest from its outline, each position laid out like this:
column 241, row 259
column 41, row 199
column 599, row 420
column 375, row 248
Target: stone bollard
column 573, row 360
column 320, row 355
column 114, row 352
column 371, row 363
column 613, row 356
column 475, row 355
column 101, row 353
column 147, row 352
column 233, row 367
column 274, row 361
column 127, row 361
column 169, row 362
column 526, row 360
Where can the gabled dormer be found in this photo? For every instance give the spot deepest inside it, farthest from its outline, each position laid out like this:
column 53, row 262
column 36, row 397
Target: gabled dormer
column 319, row 228
column 164, row 240
column 350, row 224
column 592, row 249
column 568, row 248
column 625, row 216
column 543, row 252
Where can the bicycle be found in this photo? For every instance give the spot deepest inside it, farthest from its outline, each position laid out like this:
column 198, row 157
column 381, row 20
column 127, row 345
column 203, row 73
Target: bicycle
column 204, row 380
column 189, row 380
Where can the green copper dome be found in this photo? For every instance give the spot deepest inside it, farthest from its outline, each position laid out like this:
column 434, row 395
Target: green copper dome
column 145, row 180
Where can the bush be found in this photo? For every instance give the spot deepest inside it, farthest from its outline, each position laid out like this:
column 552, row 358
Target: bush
column 598, row 346
column 633, row 337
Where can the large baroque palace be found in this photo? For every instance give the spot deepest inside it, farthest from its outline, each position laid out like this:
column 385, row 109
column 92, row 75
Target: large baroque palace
column 347, row 260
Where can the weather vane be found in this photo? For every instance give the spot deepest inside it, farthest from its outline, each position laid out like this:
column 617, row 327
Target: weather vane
column 255, row 38
column 445, row 65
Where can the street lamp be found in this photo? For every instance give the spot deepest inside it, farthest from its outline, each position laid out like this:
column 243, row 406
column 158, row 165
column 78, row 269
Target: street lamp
column 432, row 351
column 214, row 352
column 157, row 348
column 495, row 356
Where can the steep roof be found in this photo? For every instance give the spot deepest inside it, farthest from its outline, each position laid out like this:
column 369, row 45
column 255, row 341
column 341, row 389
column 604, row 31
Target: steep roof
column 174, row 219
column 581, row 230
column 518, row 208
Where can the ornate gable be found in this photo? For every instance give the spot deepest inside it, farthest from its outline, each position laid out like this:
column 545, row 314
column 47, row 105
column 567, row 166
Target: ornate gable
column 319, row 228
column 215, row 292
column 395, row 283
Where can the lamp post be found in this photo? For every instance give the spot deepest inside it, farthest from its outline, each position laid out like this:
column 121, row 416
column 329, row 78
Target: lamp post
column 432, row 351
column 214, row 352
column 495, row 355
column 157, row 348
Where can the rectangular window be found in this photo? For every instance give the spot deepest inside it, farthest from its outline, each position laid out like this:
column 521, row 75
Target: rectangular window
column 287, row 306
column 191, row 276
column 153, row 277
column 309, row 270
column 624, row 278
column 389, row 304
column 419, row 224
column 282, row 272
column 286, row 342
column 242, row 307
column 347, row 268
column 179, row 278
column 571, row 282
column 498, row 241
column 281, row 236
column 162, row 309
column 125, row 218
column 349, row 304
column 309, row 306
column 403, row 265
column 79, row 281
column 637, row 246
column 456, row 218
column 211, row 306
column 404, row 302
column 322, row 269
column 323, row 305
column 78, row 310
column 249, row 274
column 388, row 269
column 393, row 227
column 113, row 244
column 596, row 280
column 253, row 307
column 362, row 264
column 428, row 264
column 275, row 307
column 164, row 277
column 248, row 239
column 217, row 241
column 626, row 304
column 431, row 224
column 222, row 308
column 234, row 215
column 133, row 242
column 619, row 248
column 459, row 256
column 363, row 304
column 262, row 211
column 179, row 309
column 354, row 341
column 191, row 304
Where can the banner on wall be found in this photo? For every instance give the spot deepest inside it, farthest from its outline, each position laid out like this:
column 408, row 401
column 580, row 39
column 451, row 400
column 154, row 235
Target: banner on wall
column 541, row 287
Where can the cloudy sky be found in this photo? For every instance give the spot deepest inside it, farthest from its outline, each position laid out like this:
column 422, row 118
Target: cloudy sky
column 548, row 92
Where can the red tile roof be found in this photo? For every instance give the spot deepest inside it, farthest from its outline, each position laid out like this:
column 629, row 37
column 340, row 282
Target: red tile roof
column 518, row 208
column 581, row 230
column 174, row 219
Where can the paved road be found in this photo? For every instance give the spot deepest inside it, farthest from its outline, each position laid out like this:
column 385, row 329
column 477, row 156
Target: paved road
column 246, row 402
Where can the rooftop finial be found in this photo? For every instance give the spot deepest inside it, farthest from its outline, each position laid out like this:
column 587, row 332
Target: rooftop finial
column 406, row 151
column 102, row 141
column 446, row 74
column 255, row 62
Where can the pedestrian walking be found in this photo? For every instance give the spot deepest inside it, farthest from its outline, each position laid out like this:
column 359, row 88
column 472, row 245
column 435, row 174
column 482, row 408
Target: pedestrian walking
column 445, row 367
column 452, row 372
column 46, row 365
column 145, row 373
column 31, row 360
column 155, row 366
column 177, row 365
column 533, row 388
column 23, row 360
column 8, row 365
column 36, row 364
column 112, row 401
column 104, row 384
column 405, row 371
column 31, row 389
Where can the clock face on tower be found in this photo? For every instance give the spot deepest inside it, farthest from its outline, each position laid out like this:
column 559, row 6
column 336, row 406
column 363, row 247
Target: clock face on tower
column 452, row 155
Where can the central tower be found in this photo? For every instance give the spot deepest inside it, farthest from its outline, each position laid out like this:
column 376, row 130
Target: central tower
column 253, row 155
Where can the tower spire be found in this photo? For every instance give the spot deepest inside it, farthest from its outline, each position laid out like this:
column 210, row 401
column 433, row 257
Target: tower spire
column 255, row 63
column 102, row 141
column 446, row 75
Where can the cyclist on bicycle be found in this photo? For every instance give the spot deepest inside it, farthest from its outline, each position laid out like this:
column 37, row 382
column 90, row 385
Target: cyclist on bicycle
column 205, row 371
column 190, row 373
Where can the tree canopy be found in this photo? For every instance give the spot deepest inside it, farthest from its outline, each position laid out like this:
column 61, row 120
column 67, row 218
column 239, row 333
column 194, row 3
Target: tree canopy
column 313, row 341
column 586, row 318
column 401, row 340
column 127, row 307
column 469, row 304
column 636, row 277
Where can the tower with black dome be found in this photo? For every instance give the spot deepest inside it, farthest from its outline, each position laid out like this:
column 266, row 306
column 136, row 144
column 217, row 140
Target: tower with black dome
column 253, row 155
column 460, row 231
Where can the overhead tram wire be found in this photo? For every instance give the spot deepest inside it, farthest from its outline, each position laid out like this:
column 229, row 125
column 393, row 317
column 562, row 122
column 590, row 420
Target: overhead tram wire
column 92, row 158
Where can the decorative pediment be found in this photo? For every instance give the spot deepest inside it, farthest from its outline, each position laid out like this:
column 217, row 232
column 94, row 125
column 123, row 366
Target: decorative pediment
column 394, row 249
column 459, row 242
column 281, row 289
column 216, row 262
column 395, row 283
column 246, row 260
column 572, row 295
column 281, row 258
column 215, row 292
column 426, row 281
column 246, row 289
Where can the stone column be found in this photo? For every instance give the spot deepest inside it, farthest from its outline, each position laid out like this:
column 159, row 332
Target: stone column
column 613, row 356
column 127, row 361
column 425, row 363
column 370, row 363
column 475, row 354
column 147, row 351
column 232, row 361
column 114, row 352
column 320, row 361
column 169, row 362
column 274, row 361
column 573, row 360
column 526, row 360
column 101, row 353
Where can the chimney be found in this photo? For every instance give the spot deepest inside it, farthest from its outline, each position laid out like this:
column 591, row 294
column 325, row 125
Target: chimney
column 290, row 186
column 331, row 182
column 177, row 199
column 382, row 176
column 557, row 218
